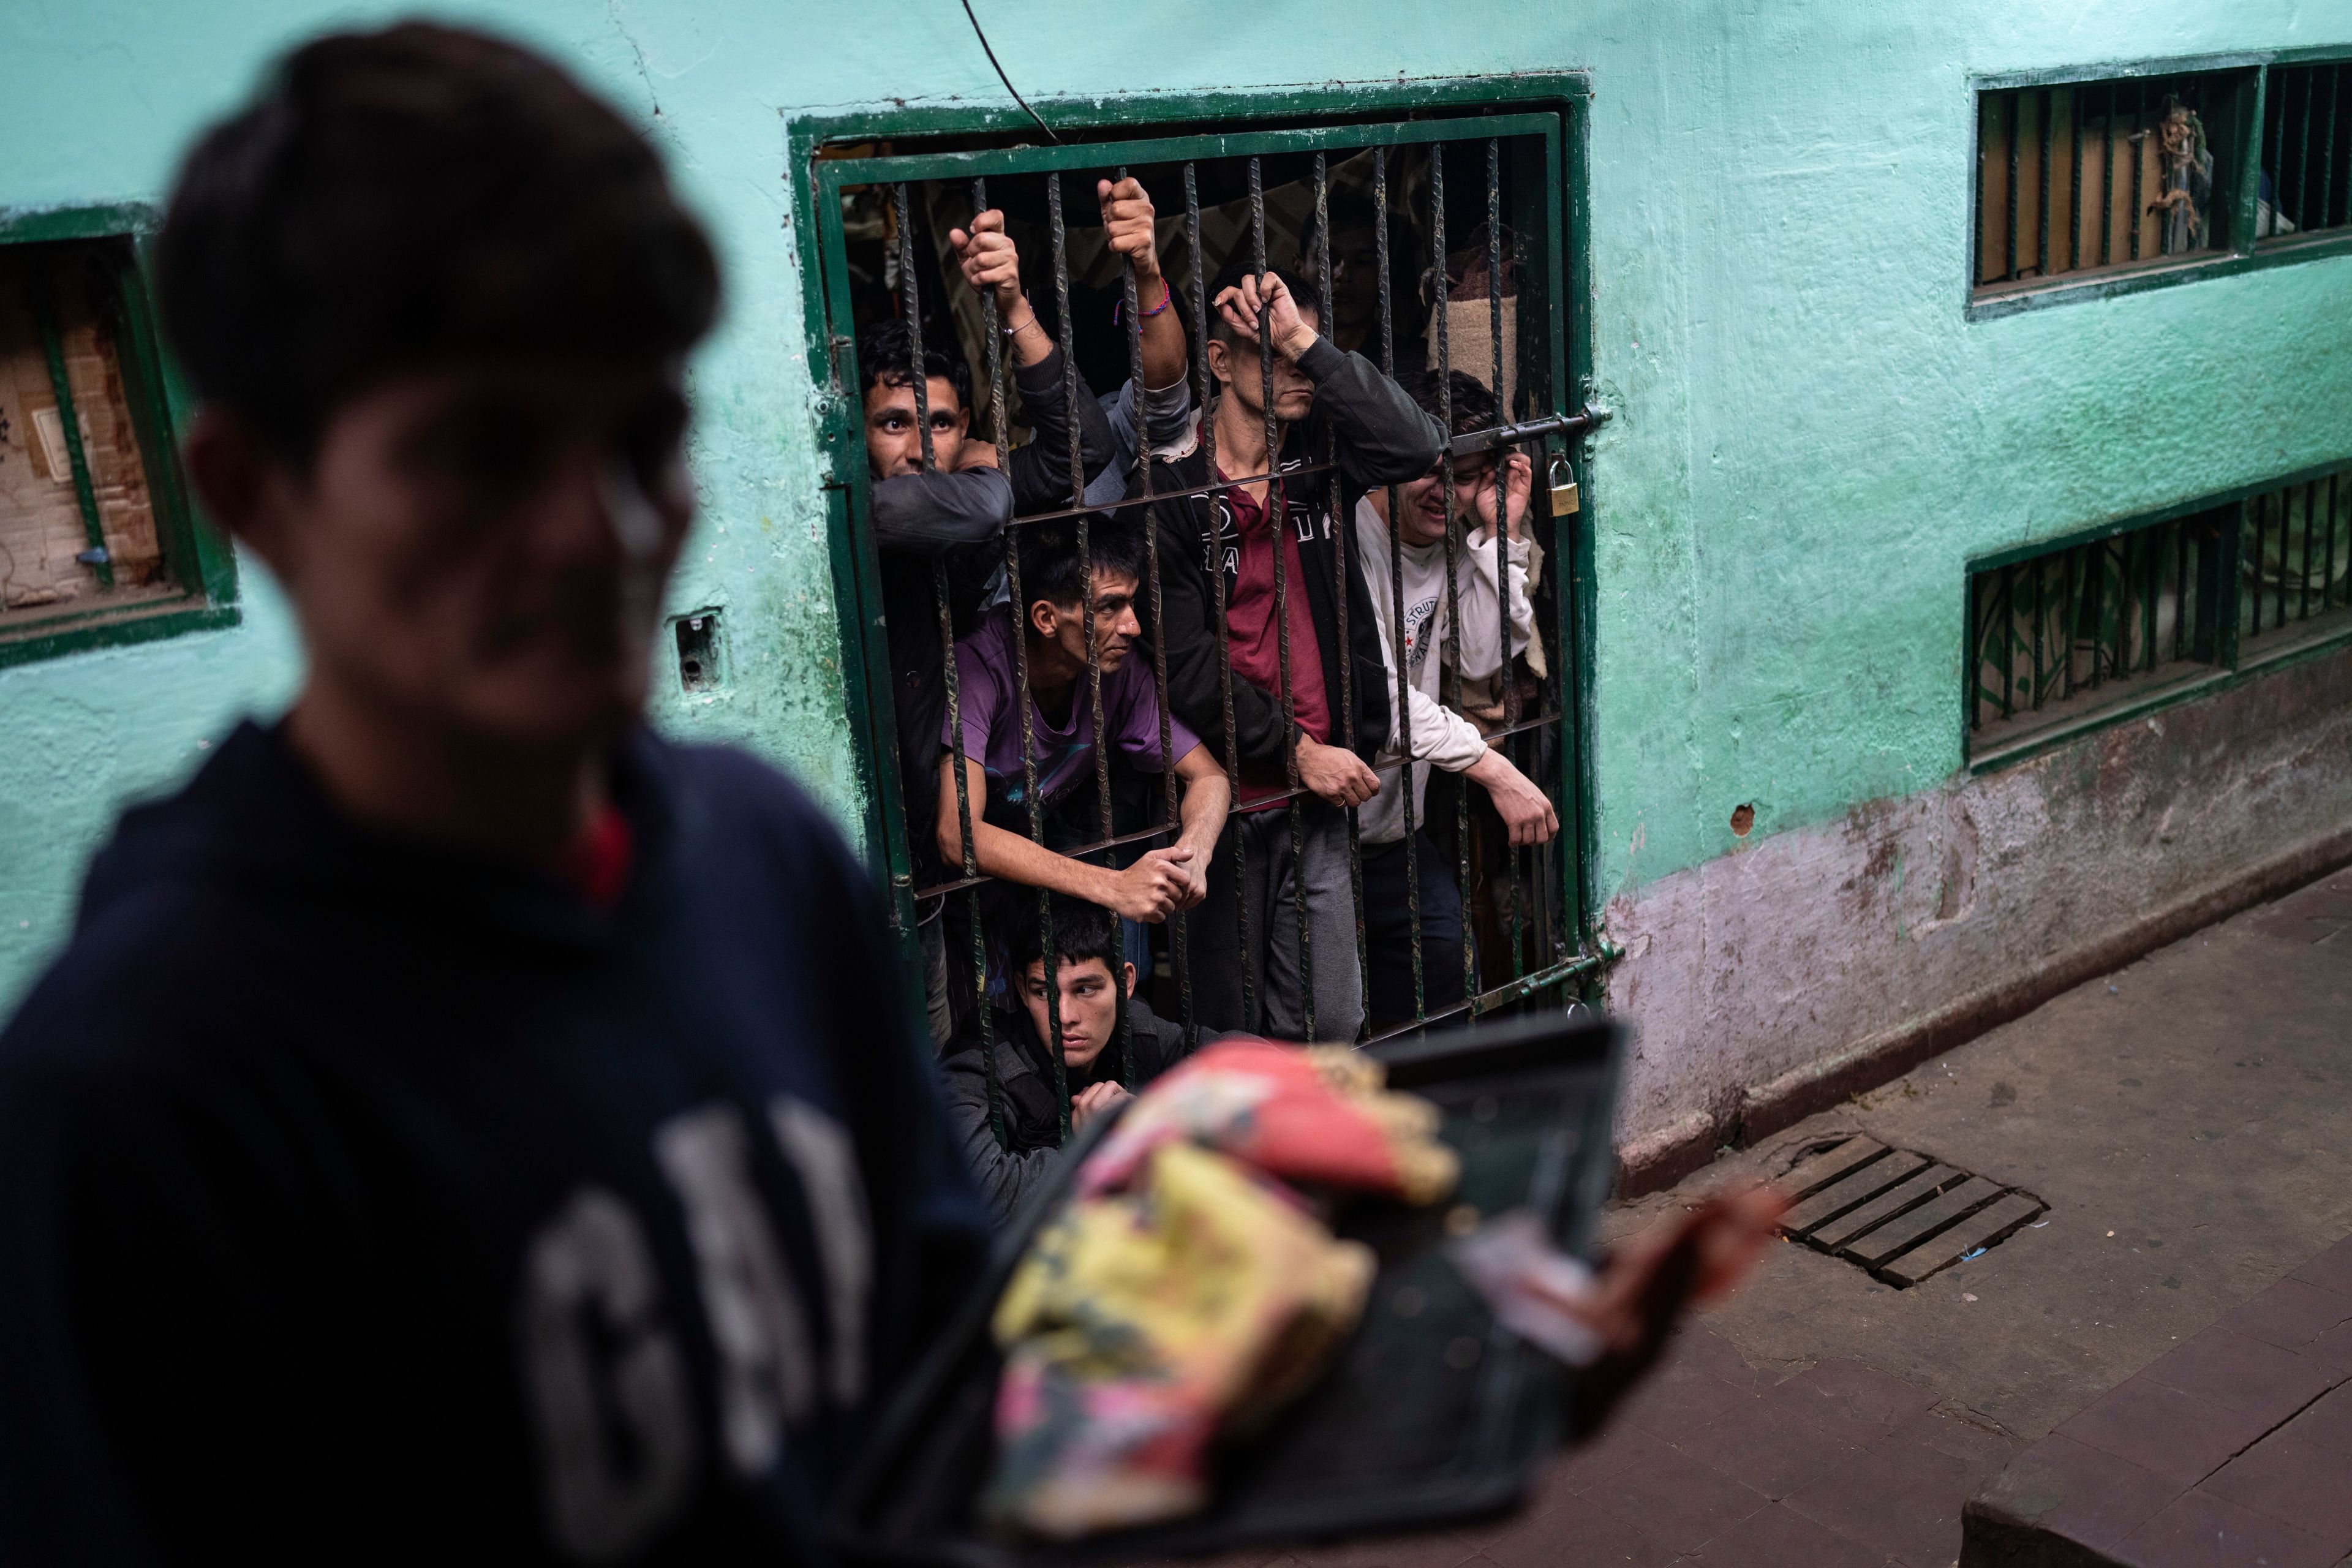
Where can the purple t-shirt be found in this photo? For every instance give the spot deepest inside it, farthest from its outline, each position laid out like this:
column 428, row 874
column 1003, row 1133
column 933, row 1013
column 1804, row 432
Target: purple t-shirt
column 992, row 725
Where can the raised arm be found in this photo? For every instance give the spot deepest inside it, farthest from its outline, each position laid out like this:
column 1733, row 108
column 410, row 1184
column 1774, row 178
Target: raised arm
column 1384, row 437
column 1145, row 891
column 1477, row 639
column 930, row 514
column 1040, row 471
column 1131, row 226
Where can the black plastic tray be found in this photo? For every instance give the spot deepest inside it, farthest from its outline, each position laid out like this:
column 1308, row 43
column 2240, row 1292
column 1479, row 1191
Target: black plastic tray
column 1433, row 1413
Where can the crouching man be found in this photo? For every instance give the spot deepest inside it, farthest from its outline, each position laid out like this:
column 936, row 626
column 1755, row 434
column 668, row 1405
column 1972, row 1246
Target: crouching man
column 1012, row 1127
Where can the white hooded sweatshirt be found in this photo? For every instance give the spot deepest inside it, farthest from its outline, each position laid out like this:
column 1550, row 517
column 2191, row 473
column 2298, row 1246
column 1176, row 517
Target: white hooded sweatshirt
column 1439, row 735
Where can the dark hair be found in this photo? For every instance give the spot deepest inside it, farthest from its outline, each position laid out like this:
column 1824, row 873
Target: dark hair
column 1474, row 405
column 887, row 358
column 1303, row 293
column 1050, row 568
column 393, row 197
column 1081, row 931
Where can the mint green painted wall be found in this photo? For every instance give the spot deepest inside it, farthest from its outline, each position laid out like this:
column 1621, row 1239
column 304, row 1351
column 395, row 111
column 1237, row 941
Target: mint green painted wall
column 1810, row 440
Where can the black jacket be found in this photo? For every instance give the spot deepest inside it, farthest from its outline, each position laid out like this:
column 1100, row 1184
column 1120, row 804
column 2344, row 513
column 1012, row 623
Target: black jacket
column 1010, row 1172
column 365, row 1199
column 1383, row 438
column 960, row 518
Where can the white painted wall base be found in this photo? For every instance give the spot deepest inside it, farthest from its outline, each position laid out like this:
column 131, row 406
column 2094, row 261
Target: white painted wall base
column 1795, row 971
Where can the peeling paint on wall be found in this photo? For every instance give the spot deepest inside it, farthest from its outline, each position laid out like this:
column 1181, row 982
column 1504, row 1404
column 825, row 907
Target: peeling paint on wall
column 1756, row 965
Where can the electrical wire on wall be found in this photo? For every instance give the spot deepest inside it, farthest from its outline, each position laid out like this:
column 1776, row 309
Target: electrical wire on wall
column 992, row 60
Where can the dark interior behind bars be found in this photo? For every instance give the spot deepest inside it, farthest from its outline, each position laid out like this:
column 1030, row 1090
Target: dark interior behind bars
column 1465, row 202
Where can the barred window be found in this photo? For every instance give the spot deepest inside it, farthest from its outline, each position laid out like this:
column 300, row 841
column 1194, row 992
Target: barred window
column 2083, row 177
column 96, row 538
column 2307, row 152
column 1437, row 247
column 2069, row 635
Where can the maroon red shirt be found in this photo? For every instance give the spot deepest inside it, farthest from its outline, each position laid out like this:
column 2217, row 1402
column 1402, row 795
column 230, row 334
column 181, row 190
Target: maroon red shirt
column 1256, row 633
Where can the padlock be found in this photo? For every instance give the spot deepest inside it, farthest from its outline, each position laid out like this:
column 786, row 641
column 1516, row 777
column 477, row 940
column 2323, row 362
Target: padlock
column 1563, row 488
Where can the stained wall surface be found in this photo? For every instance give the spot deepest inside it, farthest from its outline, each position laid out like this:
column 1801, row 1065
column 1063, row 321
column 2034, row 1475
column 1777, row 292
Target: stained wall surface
column 1810, row 442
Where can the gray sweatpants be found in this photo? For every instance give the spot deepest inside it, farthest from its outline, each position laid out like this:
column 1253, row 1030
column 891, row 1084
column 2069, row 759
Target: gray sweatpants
column 1270, row 877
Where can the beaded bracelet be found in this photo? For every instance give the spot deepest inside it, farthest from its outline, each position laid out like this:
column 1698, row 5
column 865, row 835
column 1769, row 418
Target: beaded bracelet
column 1167, row 296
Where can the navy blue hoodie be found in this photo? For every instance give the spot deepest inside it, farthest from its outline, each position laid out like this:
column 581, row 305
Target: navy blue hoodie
column 369, row 1199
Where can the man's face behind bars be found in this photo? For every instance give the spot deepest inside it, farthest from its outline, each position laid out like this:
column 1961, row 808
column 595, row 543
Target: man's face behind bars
column 480, row 545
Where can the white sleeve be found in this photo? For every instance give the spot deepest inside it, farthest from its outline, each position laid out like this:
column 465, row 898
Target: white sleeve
column 1440, row 736
column 1479, row 632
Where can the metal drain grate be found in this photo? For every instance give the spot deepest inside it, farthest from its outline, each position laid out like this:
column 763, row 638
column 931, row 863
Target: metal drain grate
column 1901, row 1216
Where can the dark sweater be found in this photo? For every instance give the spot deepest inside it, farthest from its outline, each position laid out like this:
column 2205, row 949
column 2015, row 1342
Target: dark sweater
column 959, row 519
column 1383, row 438
column 1008, row 1173
column 367, row 1199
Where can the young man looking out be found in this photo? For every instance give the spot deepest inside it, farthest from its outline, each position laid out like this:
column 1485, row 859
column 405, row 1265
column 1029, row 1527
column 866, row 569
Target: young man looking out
column 1318, row 394
column 1096, row 1072
column 956, row 513
column 1056, row 586
column 1466, row 633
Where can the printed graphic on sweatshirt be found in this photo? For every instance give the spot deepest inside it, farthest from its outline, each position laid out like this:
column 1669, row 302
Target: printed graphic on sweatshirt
column 1417, row 617
column 606, row 1380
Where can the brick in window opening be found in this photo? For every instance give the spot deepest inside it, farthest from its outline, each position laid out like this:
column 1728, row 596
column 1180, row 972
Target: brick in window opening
column 48, row 564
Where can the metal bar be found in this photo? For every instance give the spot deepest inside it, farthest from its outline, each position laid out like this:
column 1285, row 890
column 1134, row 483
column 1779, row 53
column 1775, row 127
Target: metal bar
column 2151, row 549
column 2255, row 506
column 1505, row 672
column 1027, row 705
column 2279, row 619
column 2272, row 140
column 994, row 350
column 1220, row 511
column 2072, row 587
column 1343, row 531
column 2302, row 163
column 2179, row 591
column 1396, row 600
column 1212, row 487
column 1060, row 239
column 2016, row 135
column 2327, row 174
column 2302, row 577
column 1276, row 511
column 2107, row 186
column 839, row 173
column 2038, row 577
column 2097, row 561
column 1256, row 804
column 1976, row 653
column 2049, row 102
column 1507, row 995
column 1452, row 532
column 1179, row 959
column 1569, row 426
column 2327, row 572
column 2074, row 174
column 2008, row 641
column 2139, row 161
column 53, row 347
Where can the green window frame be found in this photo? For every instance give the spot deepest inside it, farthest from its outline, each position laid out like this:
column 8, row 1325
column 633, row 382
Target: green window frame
column 829, row 153
column 111, row 242
column 2029, row 203
column 2071, row 635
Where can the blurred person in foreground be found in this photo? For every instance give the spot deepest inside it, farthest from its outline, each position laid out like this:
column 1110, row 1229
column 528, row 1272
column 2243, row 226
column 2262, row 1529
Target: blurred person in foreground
column 463, row 1125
